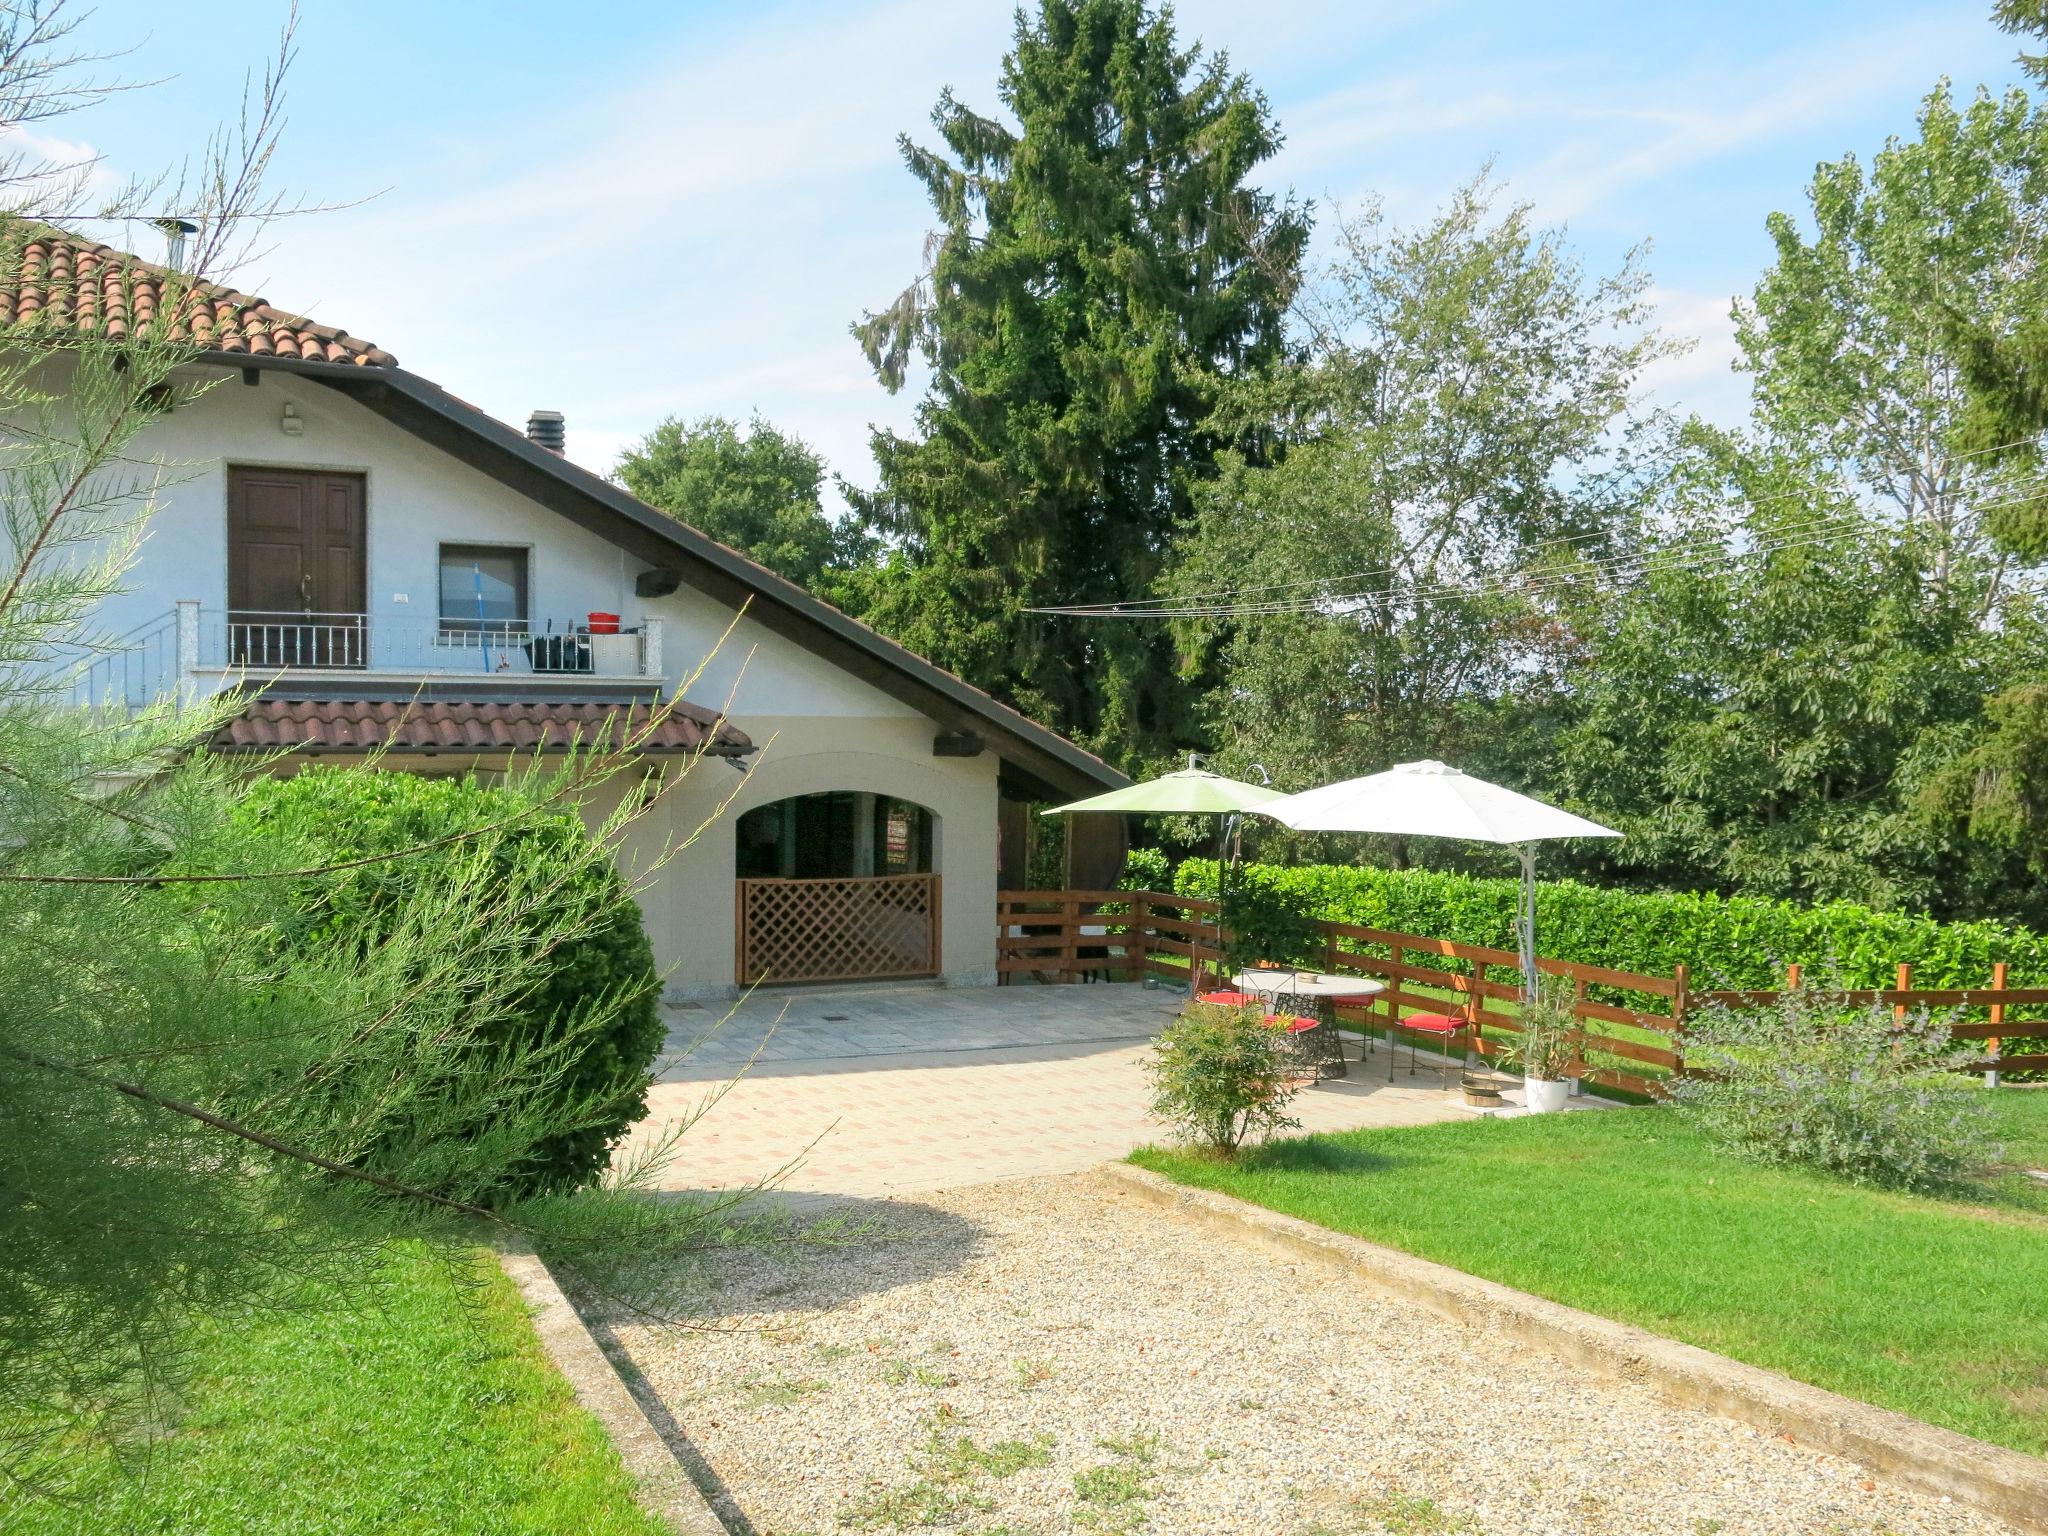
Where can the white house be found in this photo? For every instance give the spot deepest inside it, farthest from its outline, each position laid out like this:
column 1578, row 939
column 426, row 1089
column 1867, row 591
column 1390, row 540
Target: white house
column 389, row 564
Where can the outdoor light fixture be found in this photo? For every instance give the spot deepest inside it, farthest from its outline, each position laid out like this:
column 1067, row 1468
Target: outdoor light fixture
column 291, row 424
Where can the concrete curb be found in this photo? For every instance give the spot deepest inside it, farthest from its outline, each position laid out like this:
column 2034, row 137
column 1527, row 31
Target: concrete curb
column 1990, row 1478
column 666, row 1490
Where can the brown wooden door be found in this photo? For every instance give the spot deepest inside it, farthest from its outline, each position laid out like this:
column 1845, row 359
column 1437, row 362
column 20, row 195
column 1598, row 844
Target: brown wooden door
column 296, row 593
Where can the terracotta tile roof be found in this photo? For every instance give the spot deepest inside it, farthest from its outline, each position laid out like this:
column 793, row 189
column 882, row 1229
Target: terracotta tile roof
column 52, row 281
column 440, row 725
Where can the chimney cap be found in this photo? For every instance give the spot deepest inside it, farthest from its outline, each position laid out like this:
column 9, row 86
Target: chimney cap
column 176, row 230
column 545, row 429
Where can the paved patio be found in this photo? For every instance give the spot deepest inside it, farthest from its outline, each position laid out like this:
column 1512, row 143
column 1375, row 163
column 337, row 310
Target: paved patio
column 882, row 1091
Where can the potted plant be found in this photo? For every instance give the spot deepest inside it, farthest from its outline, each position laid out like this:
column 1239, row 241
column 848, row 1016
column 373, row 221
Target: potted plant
column 1543, row 1053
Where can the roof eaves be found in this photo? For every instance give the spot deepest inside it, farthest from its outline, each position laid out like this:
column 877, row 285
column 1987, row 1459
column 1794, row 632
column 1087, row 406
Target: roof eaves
column 760, row 579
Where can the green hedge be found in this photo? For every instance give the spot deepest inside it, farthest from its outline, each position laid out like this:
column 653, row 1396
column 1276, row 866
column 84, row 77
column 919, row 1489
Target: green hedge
column 1726, row 941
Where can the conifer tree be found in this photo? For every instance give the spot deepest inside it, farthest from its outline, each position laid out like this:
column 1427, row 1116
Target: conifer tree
column 1099, row 270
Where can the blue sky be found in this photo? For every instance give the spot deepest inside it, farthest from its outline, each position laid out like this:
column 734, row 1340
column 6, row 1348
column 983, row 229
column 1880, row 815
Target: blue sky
column 630, row 211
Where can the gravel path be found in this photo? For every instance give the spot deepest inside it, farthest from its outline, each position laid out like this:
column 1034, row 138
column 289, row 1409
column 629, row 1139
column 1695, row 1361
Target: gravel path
column 1048, row 1355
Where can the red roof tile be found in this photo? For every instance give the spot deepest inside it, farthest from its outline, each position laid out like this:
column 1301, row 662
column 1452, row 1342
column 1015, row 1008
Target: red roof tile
column 52, row 281
column 439, row 725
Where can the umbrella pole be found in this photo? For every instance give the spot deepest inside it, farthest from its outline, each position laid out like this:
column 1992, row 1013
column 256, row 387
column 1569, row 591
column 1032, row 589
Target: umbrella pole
column 1222, row 885
column 1527, row 921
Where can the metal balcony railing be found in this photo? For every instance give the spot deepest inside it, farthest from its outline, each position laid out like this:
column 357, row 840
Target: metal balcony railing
column 355, row 642
column 195, row 651
column 129, row 670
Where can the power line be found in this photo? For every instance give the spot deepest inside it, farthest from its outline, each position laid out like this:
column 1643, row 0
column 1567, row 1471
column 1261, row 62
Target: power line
column 1198, row 604
column 1314, row 597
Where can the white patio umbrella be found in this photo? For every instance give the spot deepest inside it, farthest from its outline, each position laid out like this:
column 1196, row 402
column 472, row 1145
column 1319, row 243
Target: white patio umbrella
column 1188, row 791
column 1431, row 799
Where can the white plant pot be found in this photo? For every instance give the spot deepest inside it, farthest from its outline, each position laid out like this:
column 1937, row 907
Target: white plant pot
column 1545, row 1096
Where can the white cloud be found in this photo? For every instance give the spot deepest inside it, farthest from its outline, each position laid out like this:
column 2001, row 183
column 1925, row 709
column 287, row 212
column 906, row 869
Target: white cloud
column 1702, row 380
column 699, row 241
column 1700, row 117
column 696, row 235
column 62, row 171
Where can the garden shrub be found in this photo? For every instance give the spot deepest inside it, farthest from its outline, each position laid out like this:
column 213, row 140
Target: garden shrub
column 592, row 995
column 1845, row 1089
column 1145, row 869
column 1220, row 1075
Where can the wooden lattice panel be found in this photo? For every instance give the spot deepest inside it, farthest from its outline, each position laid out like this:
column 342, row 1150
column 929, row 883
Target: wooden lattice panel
column 854, row 929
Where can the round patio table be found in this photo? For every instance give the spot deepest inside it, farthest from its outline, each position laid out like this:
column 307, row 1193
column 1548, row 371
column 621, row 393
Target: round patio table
column 1313, row 994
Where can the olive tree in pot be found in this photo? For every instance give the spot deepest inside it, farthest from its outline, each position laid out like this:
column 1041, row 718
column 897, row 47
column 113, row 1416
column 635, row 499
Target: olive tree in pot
column 1544, row 1051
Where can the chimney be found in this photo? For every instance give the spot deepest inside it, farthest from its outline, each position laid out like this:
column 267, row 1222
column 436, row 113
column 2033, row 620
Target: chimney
column 545, row 428
column 175, row 230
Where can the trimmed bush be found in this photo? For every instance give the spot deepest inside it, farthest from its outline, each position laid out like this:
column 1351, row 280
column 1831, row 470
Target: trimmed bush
column 591, row 994
column 1145, row 869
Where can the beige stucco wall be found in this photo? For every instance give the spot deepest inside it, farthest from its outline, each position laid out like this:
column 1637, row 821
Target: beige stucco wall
column 689, row 907
column 679, row 853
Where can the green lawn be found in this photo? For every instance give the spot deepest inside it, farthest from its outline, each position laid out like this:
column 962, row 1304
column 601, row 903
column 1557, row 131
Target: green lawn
column 1932, row 1307
column 2022, row 1117
column 430, row 1409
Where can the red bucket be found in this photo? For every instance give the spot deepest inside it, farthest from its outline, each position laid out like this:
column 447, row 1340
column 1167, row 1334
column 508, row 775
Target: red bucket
column 604, row 623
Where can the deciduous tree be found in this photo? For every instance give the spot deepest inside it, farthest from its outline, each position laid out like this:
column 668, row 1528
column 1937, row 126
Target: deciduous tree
column 1385, row 581
column 1852, row 332
column 758, row 490
column 1765, row 704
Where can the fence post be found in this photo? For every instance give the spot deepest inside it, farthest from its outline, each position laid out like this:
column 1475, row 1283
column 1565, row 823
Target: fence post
column 1995, row 1046
column 1899, row 1011
column 1792, row 977
column 1681, row 998
column 1578, row 1036
column 1070, row 927
column 1137, row 942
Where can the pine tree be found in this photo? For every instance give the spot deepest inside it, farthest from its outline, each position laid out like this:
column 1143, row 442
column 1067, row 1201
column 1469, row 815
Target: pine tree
column 1099, row 271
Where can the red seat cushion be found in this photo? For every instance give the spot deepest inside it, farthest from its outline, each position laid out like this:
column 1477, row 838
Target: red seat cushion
column 1434, row 1023
column 1297, row 1026
column 1361, row 1000
column 1228, row 999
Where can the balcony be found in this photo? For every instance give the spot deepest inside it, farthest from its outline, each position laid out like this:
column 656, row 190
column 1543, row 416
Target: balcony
column 193, row 651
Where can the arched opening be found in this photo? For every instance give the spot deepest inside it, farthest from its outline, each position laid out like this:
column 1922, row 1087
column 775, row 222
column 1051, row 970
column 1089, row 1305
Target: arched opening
column 834, row 835
column 836, row 886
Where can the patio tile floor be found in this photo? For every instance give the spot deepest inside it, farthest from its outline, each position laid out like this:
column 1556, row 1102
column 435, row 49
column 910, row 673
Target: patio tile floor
column 893, row 1090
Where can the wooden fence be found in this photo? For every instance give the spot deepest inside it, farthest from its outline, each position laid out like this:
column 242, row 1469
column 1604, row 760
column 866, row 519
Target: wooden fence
column 1079, row 935
column 1996, row 1002
column 1631, row 1026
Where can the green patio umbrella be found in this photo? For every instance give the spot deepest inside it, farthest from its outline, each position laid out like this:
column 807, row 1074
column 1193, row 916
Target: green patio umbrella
column 1188, row 791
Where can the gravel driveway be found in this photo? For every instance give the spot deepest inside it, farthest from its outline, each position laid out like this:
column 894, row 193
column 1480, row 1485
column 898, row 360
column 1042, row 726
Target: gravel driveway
column 1049, row 1355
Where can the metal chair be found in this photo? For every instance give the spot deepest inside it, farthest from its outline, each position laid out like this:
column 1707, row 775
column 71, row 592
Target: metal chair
column 1302, row 1052
column 1362, row 1002
column 1446, row 1026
